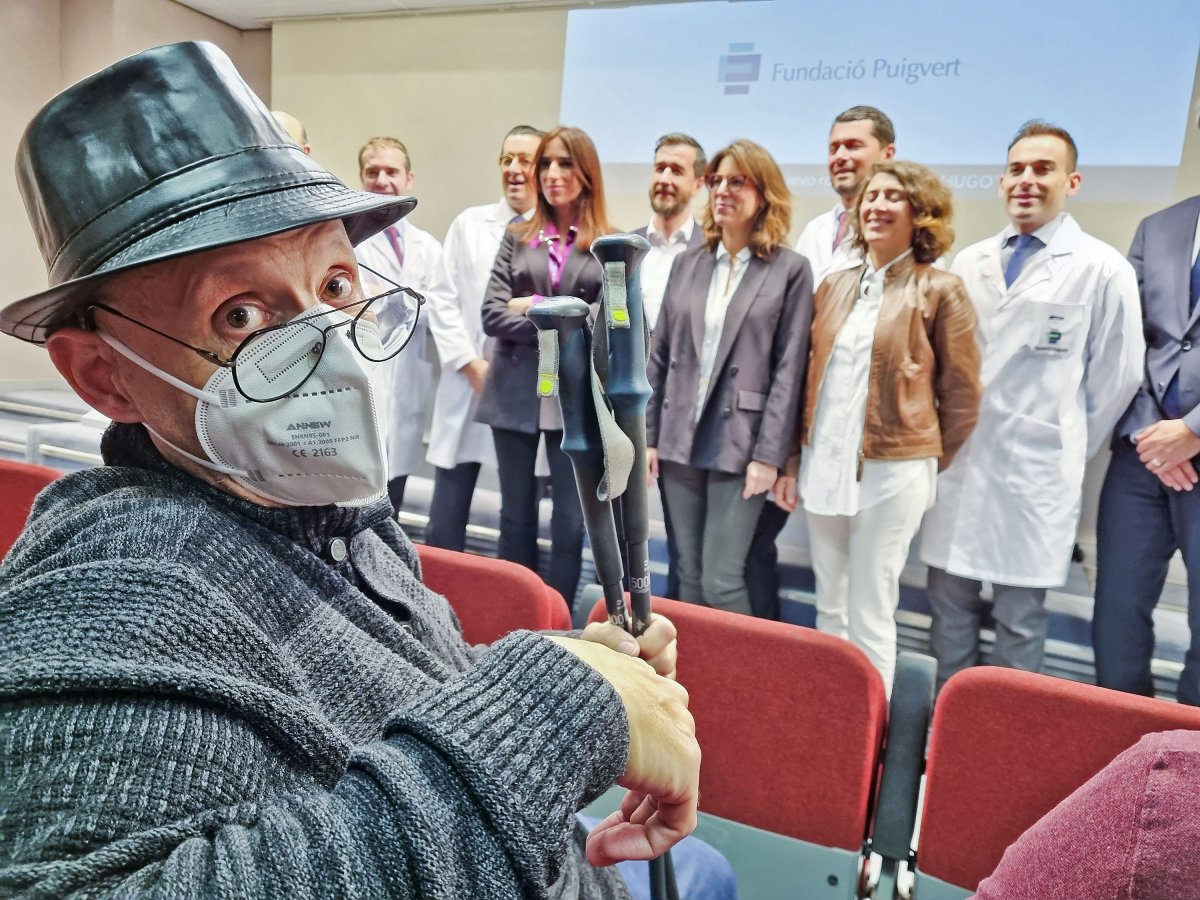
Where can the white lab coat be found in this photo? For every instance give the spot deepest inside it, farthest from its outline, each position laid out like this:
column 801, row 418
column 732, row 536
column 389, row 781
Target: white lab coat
column 408, row 377
column 454, row 301
column 816, row 245
column 1062, row 353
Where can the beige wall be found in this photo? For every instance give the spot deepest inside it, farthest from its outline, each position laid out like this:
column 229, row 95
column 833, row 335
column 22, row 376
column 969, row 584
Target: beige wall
column 55, row 43
column 449, row 85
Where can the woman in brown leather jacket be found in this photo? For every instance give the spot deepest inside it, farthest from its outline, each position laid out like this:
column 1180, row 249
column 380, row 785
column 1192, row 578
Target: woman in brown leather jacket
column 892, row 393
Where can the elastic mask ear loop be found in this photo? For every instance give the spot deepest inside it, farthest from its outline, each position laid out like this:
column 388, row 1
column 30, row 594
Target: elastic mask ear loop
column 205, row 396
column 199, row 394
column 206, row 463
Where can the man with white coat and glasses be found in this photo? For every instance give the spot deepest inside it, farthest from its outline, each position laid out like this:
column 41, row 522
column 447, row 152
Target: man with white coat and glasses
column 1060, row 332
column 458, row 445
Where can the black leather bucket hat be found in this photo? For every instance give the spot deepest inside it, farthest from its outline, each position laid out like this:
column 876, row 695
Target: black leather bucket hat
column 165, row 153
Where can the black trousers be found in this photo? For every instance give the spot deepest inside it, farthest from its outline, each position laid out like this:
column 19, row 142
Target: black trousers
column 516, row 456
column 762, row 562
column 450, row 508
column 396, row 491
column 1141, row 524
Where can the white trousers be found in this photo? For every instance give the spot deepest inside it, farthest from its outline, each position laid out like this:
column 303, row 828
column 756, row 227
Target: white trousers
column 857, row 561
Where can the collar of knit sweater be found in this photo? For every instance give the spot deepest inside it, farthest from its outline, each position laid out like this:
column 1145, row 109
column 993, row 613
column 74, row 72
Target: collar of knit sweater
column 314, row 526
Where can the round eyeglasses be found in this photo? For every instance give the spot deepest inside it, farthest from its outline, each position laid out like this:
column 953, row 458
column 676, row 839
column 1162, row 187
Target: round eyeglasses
column 274, row 362
column 735, row 183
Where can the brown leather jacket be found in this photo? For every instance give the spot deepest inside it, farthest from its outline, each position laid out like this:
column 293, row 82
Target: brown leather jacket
column 923, row 390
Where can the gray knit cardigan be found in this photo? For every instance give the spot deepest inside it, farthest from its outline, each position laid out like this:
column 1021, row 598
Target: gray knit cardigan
column 196, row 700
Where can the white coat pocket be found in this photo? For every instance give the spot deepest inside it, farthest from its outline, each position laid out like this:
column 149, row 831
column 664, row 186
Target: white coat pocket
column 1054, row 327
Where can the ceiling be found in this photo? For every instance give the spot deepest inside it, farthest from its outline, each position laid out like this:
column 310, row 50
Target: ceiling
column 250, row 14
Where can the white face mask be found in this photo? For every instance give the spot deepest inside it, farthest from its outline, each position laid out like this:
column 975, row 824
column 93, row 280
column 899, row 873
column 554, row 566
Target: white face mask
column 322, row 444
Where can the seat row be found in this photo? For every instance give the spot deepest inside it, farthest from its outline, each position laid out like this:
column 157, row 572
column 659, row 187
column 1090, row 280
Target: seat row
column 810, row 778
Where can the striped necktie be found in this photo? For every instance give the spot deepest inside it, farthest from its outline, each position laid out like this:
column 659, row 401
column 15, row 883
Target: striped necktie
column 393, row 237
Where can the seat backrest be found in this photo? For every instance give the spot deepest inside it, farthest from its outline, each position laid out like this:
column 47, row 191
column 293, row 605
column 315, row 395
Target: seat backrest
column 20, row 482
column 1006, row 747
column 789, row 720
column 492, row 597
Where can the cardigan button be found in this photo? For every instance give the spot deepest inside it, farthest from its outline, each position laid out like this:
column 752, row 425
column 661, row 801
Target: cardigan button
column 337, row 551
column 733, row 370
column 727, row 412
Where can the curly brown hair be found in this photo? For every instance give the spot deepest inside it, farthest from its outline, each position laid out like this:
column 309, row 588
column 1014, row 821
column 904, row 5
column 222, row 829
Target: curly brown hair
column 931, row 204
column 774, row 220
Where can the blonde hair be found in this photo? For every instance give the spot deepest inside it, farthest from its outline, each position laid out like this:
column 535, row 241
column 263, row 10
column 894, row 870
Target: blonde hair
column 378, row 142
column 774, row 220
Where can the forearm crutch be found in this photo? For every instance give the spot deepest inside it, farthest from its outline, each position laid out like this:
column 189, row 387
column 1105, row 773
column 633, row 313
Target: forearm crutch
column 565, row 371
column 628, row 392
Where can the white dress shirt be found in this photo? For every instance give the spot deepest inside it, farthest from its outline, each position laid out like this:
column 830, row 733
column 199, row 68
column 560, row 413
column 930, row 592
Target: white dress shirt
column 656, row 265
column 727, row 275
column 829, row 483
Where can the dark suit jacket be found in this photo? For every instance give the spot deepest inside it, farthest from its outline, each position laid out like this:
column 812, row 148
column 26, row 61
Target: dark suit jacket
column 509, row 399
column 757, row 381
column 1162, row 257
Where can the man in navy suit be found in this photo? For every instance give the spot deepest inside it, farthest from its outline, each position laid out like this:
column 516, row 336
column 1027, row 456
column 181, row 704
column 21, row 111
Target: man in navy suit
column 679, row 164
column 1149, row 507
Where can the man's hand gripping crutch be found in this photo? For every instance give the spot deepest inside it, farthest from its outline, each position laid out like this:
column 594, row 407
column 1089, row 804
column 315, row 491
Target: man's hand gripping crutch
column 662, row 777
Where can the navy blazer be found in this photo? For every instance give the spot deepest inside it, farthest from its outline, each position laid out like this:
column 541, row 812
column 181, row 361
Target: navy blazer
column 1162, row 257
column 757, row 382
column 509, row 398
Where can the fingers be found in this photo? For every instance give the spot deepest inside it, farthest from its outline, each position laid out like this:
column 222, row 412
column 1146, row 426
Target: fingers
column 1179, row 478
column 786, row 497
column 643, row 828
column 664, row 757
column 759, row 478
column 657, row 645
column 651, row 465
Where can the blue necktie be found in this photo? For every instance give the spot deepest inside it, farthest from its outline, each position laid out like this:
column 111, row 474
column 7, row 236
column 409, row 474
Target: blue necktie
column 1025, row 246
column 1194, row 297
column 1170, row 403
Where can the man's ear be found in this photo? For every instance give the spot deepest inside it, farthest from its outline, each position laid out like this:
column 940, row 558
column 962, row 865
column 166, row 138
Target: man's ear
column 87, row 364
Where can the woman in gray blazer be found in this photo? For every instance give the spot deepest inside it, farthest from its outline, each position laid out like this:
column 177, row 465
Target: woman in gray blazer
column 727, row 371
column 550, row 255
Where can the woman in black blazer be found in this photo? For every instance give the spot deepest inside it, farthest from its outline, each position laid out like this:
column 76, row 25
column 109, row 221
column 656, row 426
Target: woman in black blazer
column 550, row 255
column 727, row 371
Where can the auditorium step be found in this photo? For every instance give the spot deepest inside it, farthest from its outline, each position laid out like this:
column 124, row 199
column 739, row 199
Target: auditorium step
column 45, row 423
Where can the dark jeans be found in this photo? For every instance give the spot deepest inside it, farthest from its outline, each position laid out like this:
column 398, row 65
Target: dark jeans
column 396, row 491
column 762, row 562
column 450, row 508
column 1141, row 524
column 516, row 455
column 672, row 551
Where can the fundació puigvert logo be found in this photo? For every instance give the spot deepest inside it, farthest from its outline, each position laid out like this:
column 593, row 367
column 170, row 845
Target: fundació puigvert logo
column 739, row 68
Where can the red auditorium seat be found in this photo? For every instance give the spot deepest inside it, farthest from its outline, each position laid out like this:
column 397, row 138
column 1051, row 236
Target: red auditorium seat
column 1005, row 748
column 492, row 597
column 20, row 482
column 790, row 722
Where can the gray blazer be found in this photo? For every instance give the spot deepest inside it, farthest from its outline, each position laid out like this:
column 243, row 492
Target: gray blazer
column 1162, row 257
column 509, row 398
column 757, row 383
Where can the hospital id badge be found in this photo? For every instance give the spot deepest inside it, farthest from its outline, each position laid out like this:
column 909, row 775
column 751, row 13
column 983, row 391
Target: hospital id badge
column 1055, row 327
